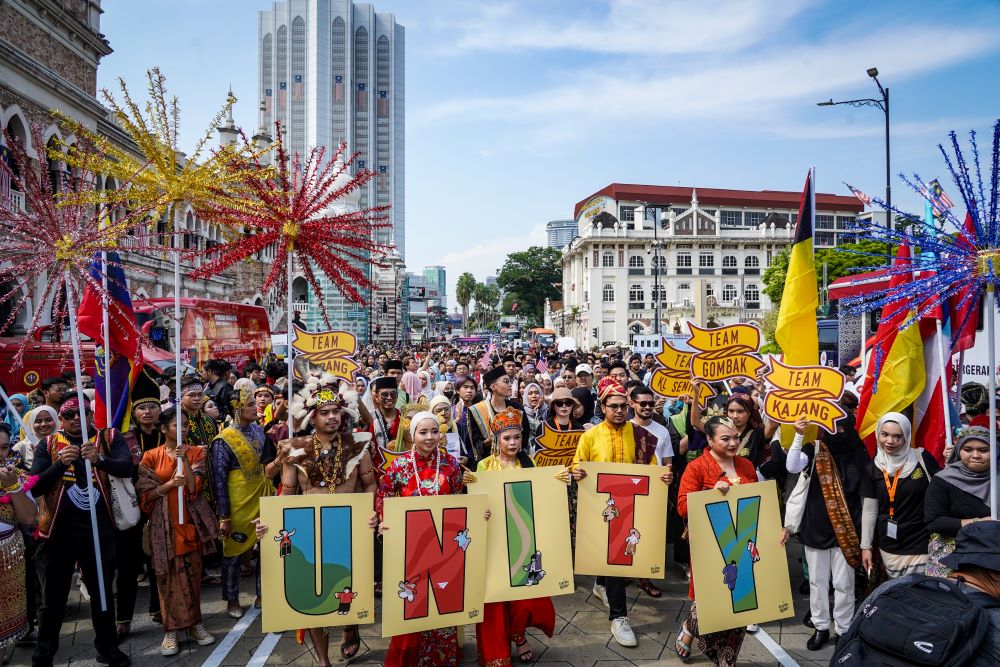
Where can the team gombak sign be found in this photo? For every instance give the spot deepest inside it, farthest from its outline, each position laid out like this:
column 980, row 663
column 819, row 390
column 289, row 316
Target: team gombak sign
column 725, row 352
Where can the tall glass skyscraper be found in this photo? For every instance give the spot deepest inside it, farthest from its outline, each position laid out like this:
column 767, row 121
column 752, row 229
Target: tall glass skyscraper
column 333, row 71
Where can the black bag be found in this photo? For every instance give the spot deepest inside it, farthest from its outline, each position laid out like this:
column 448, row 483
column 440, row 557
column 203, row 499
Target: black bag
column 916, row 620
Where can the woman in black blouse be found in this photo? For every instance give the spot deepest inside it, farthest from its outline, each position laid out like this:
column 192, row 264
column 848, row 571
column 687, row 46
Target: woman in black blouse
column 958, row 496
column 894, row 488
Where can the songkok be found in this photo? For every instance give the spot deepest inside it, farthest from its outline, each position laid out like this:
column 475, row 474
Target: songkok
column 609, row 387
column 394, row 365
column 492, row 375
column 385, row 382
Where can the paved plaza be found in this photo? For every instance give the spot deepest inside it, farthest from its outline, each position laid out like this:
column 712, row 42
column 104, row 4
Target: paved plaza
column 582, row 636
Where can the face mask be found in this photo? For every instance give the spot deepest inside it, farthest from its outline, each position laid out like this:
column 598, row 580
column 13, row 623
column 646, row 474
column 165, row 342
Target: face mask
column 449, row 394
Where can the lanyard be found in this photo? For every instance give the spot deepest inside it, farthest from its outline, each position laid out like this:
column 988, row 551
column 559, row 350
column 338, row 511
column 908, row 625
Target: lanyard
column 891, row 490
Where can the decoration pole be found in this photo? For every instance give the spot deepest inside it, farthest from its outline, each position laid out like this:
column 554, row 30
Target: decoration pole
column 948, row 435
column 288, row 355
column 177, row 361
column 87, row 467
column 106, row 333
column 991, row 333
column 17, row 417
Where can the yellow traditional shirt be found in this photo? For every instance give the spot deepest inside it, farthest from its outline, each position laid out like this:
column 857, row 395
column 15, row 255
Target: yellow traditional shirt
column 605, row 444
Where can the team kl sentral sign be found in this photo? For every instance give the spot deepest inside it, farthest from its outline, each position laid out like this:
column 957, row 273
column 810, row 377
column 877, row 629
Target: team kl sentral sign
column 673, row 380
column 725, row 352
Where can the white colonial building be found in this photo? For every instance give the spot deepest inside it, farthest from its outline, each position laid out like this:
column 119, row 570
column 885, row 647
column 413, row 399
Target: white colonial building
column 712, row 247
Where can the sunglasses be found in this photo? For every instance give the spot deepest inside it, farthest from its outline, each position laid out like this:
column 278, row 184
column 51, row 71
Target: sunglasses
column 562, row 404
column 617, row 407
column 69, row 414
column 645, row 404
column 388, row 394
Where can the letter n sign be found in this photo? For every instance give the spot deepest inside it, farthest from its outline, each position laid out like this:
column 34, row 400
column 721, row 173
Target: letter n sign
column 313, row 576
column 622, row 489
column 737, row 543
column 435, row 562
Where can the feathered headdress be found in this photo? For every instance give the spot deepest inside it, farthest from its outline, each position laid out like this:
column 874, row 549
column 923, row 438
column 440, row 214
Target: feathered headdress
column 321, row 390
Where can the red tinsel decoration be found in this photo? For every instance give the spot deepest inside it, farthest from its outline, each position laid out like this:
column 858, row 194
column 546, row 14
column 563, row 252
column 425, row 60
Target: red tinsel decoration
column 284, row 207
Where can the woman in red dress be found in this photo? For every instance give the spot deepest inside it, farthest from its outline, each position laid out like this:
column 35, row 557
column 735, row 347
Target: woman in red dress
column 719, row 467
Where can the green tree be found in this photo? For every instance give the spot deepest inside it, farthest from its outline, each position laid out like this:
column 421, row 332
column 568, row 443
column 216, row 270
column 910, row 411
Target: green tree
column 529, row 275
column 465, row 288
column 844, row 260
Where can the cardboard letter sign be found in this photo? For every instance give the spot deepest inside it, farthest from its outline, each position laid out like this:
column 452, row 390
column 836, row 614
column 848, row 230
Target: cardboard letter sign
column 555, row 448
column 317, row 566
column 529, row 554
column 330, row 350
column 804, row 391
column 725, row 352
column 621, row 520
column 740, row 570
column 674, row 379
column 433, row 563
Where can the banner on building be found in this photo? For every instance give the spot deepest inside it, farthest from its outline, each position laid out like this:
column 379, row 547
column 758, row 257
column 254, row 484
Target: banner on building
column 740, row 570
column 317, row 561
column 330, row 350
column 529, row 554
column 555, row 448
column 804, row 391
column 434, row 556
column 621, row 521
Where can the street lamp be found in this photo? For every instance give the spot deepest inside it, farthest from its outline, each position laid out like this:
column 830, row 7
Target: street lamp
column 657, row 244
column 882, row 104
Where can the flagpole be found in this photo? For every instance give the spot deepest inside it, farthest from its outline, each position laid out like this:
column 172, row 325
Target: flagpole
column 106, row 333
column 948, row 436
column 17, row 417
column 288, row 342
column 87, row 467
column 991, row 332
column 177, row 361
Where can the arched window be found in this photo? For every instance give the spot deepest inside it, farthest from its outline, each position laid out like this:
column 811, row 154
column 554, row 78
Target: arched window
column 636, row 262
column 636, row 294
column 660, row 261
column 609, row 293
column 751, row 262
column 729, row 262
column 751, row 293
column 608, row 260
column 729, row 292
column 659, row 293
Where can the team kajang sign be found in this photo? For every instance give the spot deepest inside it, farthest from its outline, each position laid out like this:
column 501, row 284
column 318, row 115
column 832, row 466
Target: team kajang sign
column 725, row 352
column 804, row 391
column 330, row 350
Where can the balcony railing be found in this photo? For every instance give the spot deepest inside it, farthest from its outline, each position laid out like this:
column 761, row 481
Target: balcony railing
column 17, row 199
column 301, row 307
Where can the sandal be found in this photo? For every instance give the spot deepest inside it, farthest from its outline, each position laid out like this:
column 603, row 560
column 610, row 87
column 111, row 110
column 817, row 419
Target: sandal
column 524, row 653
column 649, row 589
column 351, row 643
column 682, row 647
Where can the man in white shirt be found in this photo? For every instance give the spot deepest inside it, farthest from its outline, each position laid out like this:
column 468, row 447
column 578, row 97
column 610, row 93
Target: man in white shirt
column 643, row 404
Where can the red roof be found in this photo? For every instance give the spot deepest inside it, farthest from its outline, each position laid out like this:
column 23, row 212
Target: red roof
column 662, row 195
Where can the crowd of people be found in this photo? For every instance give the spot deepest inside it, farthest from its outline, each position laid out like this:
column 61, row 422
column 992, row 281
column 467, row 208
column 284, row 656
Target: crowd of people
column 448, row 413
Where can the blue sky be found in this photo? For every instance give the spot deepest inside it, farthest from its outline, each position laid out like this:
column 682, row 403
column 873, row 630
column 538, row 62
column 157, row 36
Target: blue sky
column 517, row 109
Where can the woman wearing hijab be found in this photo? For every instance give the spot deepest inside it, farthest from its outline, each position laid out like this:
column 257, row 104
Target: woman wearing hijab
column 830, row 521
column 410, row 383
column 39, row 423
column 534, row 407
column 894, row 488
column 20, row 403
column 426, row 386
column 957, row 496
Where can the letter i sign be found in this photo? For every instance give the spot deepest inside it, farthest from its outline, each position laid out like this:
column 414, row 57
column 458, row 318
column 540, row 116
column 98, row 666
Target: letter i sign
column 622, row 490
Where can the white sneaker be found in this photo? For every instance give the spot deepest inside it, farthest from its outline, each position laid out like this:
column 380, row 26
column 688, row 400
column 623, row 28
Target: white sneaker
column 84, row 593
column 752, row 628
column 602, row 593
column 169, row 646
column 622, row 632
column 200, row 635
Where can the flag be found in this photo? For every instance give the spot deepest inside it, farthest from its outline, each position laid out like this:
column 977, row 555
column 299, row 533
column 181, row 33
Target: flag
column 383, row 104
column 896, row 358
column 297, row 88
column 282, row 94
column 124, row 342
column 485, row 362
column 543, row 365
column 383, row 178
column 864, row 198
column 338, row 88
column 964, row 304
column 939, row 198
column 267, row 100
column 362, row 98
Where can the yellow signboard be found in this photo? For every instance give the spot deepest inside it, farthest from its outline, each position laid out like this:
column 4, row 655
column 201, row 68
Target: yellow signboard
column 317, row 561
column 674, row 379
column 804, row 391
column 739, row 567
column 555, row 448
column 621, row 520
column 725, row 352
column 434, row 557
column 529, row 554
column 330, row 350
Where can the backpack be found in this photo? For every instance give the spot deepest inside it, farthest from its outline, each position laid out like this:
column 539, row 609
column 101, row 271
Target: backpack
column 915, row 620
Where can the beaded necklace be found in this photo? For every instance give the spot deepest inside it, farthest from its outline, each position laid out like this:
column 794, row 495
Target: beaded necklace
column 436, row 484
column 333, row 475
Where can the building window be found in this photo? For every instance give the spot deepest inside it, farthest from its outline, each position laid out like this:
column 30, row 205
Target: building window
column 659, row 293
column 824, row 238
column 706, row 260
column 586, row 261
column 635, row 293
column 751, row 293
column 626, row 213
column 709, row 289
column 684, row 259
column 824, row 222
column 636, row 262
column 846, row 221
column 732, row 218
column 752, row 218
column 751, row 262
column 608, row 260
column 659, row 261
column 609, row 293
column 586, row 296
column 729, row 292
column 729, row 262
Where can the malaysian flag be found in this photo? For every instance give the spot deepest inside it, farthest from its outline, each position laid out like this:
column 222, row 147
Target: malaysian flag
column 297, row 88
column 361, row 164
column 383, row 104
column 862, row 197
column 267, row 100
column 543, row 365
column 383, row 178
column 362, row 101
column 939, row 198
column 282, row 94
column 338, row 89
column 485, row 362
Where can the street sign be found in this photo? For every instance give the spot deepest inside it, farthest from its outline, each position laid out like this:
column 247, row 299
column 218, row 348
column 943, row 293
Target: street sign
column 355, row 314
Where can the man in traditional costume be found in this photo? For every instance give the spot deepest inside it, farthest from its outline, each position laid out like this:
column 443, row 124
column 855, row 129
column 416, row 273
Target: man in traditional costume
column 498, row 382
column 65, row 530
column 616, row 440
column 240, row 482
column 336, row 460
column 385, row 418
column 202, row 429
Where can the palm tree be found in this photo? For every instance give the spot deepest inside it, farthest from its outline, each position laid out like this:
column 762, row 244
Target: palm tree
column 464, row 290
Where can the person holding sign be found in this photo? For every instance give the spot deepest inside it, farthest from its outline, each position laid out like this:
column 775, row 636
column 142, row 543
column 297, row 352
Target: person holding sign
column 562, row 403
column 720, row 467
column 334, row 459
column 506, row 622
column 616, row 440
column 425, row 470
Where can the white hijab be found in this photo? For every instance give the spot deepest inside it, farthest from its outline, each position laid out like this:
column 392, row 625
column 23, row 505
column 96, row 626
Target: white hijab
column 906, row 459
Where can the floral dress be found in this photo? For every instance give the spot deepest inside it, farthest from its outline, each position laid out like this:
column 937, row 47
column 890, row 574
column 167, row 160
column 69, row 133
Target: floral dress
column 431, row 648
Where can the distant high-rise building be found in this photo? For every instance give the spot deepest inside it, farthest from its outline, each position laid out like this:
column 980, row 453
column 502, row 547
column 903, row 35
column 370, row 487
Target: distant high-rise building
column 560, row 233
column 333, row 71
column 437, row 280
